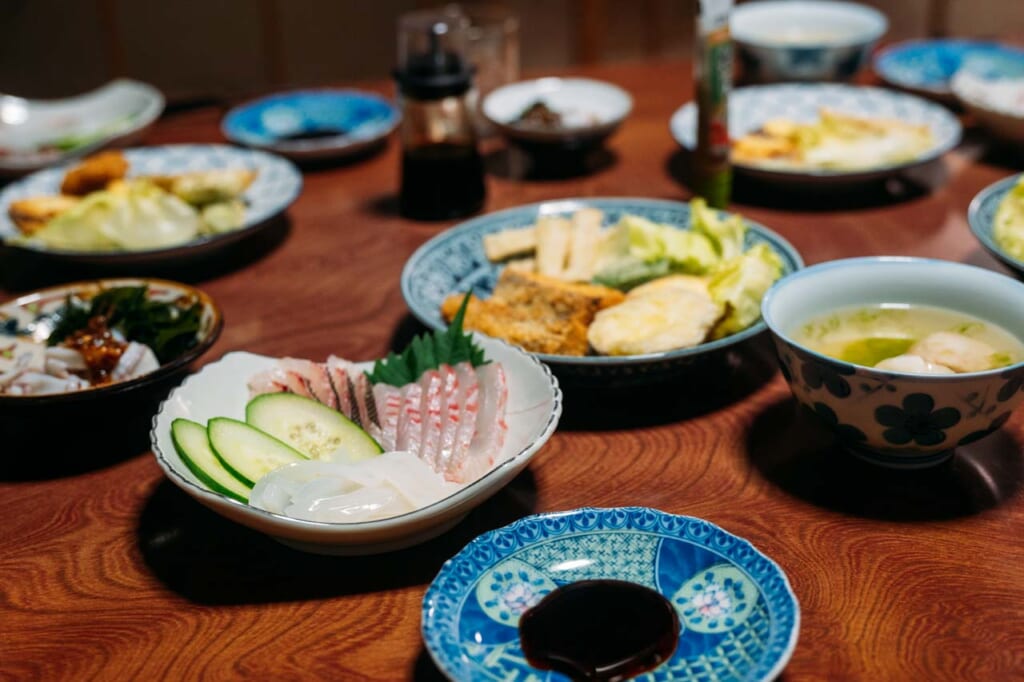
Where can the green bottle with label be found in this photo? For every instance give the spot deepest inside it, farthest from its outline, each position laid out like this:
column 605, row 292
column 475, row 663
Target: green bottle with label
column 711, row 175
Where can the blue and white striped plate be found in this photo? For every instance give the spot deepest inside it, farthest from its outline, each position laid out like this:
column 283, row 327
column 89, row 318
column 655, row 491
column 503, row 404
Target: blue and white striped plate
column 276, row 186
column 358, row 120
column 751, row 107
column 739, row 617
column 454, row 262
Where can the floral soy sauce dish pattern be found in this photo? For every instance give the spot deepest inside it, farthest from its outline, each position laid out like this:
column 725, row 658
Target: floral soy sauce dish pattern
column 888, row 417
column 735, row 610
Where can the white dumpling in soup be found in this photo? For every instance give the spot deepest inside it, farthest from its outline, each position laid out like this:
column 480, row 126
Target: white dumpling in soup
column 956, row 351
column 912, row 364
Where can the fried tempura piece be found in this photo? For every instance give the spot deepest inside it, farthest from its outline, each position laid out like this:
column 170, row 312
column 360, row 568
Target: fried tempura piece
column 542, row 314
column 94, row 173
column 31, row 215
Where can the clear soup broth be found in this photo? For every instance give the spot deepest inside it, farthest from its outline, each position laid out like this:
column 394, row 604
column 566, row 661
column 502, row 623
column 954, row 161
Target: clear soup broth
column 951, row 340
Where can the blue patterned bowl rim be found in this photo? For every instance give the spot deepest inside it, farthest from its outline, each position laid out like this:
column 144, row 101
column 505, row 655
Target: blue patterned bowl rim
column 980, row 218
column 263, row 203
column 237, row 124
column 682, row 125
column 429, row 316
column 813, row 270
column 887, row 61
column 435, row 628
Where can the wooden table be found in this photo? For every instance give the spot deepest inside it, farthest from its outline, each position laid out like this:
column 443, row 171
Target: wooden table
column 108, row 571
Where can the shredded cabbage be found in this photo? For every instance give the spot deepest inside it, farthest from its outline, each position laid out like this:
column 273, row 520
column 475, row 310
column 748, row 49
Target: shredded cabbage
column 740, row 284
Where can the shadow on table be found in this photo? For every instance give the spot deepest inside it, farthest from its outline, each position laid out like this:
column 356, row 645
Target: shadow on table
column 329, row 164
column 547, row 163
column 59, row 440
column 22, row 270
column 980, row 146
column 208, row 559
column 907, row 185
column 711, row 383
column 796, row 453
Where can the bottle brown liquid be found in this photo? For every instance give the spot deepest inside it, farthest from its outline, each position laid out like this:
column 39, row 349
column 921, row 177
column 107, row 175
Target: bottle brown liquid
column 441, row 181
column 605, row 630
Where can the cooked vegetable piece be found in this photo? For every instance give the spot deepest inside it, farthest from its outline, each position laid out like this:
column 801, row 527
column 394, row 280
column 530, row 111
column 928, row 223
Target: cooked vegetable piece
column 246, row 452
column 553, row 238
column 193, row 446
column 740, row 285
column 515, row 241
column 312, row 428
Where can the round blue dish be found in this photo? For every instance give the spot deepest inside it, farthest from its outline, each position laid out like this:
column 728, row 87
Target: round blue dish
column 739, row 617
column 312, row 124
column 981, row 215
column 454, row 261
column 927, row 66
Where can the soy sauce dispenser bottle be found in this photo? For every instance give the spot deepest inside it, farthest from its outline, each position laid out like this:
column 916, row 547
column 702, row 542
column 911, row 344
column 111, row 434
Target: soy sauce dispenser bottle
column 442, row 171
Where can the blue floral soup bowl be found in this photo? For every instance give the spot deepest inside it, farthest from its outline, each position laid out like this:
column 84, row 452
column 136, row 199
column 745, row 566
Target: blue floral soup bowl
column 897, row 419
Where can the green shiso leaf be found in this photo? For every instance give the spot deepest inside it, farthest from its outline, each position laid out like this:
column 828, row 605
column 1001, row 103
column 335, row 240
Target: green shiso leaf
column 429, row 351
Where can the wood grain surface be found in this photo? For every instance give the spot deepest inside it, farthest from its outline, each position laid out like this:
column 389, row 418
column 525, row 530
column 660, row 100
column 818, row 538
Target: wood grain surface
column 109, row 572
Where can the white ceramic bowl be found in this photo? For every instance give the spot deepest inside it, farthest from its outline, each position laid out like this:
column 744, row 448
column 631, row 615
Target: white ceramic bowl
column 592, row 110
column 219, row 389
column 804, row 40
column 39, row 133
column 897, row 419
column 997, row 104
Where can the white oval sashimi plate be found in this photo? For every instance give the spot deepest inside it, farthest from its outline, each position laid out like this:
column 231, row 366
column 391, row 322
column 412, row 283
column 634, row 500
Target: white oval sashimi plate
column 220, row 390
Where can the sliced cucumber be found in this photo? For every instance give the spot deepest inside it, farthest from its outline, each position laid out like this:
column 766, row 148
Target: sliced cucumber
column 310, row 427
column 193, row 445
column 246, row 452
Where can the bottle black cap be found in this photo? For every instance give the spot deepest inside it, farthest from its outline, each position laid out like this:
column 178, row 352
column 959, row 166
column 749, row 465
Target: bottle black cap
column 437, row 73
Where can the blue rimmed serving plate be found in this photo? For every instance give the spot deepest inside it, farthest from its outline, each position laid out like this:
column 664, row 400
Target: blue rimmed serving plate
column 981, row 215
column 313, row 124
column 276, row 186
column 927, row 67
column 454, row 261
column 751, row 107
column 738, row 614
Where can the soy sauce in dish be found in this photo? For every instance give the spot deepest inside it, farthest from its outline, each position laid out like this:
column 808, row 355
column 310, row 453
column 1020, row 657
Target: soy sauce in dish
column 312, row 134
column 600, row 630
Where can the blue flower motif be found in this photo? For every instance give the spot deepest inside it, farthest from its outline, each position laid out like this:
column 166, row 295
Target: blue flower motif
column 916, row 421
column 981, row 433
column 844, row 431
column 818, row 374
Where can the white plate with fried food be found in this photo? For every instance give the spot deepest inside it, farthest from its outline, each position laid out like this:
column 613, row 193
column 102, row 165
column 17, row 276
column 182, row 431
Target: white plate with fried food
column 148, row 204
column 820, row 132
column 618, row 288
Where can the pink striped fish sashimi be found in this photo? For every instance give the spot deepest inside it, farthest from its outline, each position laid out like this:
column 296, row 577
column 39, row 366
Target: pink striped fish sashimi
column 453, row 418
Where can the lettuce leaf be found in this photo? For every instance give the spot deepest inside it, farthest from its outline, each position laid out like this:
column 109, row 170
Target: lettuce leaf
column 740, row 284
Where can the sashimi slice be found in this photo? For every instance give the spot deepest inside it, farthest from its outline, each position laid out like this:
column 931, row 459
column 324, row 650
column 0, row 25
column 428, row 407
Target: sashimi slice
column 365, row 403
column 314, row 375
column 469, row 410
column 491, row 426
column 410, row 420
column 433, row 423
column 389, row 407
column 451, row 413
column 337, row 374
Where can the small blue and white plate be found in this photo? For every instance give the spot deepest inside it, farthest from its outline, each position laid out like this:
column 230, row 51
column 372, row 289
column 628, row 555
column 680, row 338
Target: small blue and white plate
column 981, row 215
column 312, row 124
column 751, row 107
column 454, row 262
column 739, row 617
column 927, row 67
column 276, row 186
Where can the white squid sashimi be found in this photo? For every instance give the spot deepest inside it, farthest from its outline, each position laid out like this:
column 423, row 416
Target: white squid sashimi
column 136, row 360
column 335, row 492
